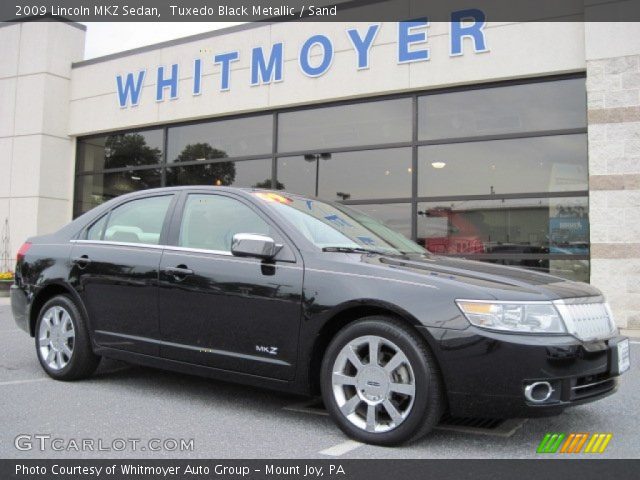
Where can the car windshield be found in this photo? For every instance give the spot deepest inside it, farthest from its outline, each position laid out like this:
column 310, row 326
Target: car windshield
column 334, row 227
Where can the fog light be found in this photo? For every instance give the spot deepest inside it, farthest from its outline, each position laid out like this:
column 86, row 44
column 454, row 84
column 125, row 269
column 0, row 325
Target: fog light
column 538, row 392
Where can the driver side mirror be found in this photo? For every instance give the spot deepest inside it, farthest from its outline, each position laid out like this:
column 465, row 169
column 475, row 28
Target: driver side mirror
column 254, row 245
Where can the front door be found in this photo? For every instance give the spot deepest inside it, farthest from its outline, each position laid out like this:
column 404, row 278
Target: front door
column 239, row 314
column 115, row 266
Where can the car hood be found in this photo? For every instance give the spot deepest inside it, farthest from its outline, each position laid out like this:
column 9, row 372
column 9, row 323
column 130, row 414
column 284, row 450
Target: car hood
column 499, row 281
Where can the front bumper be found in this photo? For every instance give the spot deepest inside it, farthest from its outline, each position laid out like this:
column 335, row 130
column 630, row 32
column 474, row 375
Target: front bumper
column 485, row 373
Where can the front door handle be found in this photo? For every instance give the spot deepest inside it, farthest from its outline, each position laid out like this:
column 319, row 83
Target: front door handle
column 82, row 261
column 178, row 272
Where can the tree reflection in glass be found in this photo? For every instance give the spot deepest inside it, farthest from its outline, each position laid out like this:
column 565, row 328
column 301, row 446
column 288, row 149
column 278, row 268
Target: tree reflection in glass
column 219, row 173
column 129, row 150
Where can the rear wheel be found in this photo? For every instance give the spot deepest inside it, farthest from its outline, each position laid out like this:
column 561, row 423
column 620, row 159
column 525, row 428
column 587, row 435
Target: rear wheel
column 62, row 341
column 380, row 382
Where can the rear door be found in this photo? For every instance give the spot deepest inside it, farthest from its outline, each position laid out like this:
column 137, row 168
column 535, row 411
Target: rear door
column 239, row 314
column 115, row 265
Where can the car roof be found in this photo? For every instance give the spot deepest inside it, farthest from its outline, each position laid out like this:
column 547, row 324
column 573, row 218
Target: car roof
column 214, row 188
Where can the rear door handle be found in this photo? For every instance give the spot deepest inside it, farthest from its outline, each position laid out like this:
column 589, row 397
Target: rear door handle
column 82, row 261
column 179, row 271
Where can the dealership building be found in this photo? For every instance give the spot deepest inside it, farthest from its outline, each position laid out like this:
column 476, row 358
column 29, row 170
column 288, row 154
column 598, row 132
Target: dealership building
column 513, row 143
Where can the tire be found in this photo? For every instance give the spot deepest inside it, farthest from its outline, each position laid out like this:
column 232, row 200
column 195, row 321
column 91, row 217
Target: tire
column 410, row 382
column 60, row 324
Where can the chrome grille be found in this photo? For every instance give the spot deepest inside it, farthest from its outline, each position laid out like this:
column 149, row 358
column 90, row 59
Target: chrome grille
column 587, row 319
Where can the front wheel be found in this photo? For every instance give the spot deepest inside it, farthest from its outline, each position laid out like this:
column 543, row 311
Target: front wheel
column 380, row 382
column 62, row 341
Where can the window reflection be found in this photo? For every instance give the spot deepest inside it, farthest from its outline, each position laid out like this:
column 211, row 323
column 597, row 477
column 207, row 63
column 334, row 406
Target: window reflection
column 507, row 226
column 396, row 216
column 542, row 164
column 93, row 190
column 380, row 122
column 508, row 109
column 519, row 232
column 246, row 173
column 232, row 138
column 120, row 150
column 361, row 175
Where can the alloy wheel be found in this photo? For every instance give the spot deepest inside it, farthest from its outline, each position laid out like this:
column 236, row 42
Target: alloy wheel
column 373, row 383
column 56, row 338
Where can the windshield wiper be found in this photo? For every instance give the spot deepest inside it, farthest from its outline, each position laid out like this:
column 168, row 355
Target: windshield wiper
column 355, row 250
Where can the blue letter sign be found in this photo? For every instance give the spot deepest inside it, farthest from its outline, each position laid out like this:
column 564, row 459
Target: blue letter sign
column 474, row 30
column 263, row 73
column 131, row 89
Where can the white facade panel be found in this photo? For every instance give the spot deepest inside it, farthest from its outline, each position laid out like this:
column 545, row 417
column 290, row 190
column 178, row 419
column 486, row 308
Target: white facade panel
column 515, row 50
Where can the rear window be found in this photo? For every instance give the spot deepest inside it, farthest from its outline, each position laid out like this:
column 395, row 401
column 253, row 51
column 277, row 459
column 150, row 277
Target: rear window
column 138, row 221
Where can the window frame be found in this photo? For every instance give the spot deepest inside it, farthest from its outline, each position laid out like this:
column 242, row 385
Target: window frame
column 287, row 254
column 107, row 216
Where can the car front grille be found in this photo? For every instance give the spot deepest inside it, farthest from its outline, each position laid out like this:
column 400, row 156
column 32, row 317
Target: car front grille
column 587, row 318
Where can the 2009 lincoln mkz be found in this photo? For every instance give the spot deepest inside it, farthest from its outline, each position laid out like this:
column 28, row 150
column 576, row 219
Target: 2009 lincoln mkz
column 311, row 297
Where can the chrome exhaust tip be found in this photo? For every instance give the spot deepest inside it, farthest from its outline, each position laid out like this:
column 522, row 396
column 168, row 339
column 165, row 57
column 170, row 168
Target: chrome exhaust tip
column 538, row 392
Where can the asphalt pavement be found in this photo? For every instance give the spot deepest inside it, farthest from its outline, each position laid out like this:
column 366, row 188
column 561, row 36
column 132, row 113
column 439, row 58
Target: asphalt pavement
column 133, row 412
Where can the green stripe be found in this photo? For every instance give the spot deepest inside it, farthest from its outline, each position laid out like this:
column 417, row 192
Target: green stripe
column 541, row 447
column 551, row 442
column 557, row 444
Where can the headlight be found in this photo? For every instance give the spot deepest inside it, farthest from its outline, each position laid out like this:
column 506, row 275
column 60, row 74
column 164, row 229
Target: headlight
column 513, row 317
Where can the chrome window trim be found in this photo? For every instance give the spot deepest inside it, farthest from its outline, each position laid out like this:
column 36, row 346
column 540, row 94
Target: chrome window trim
column 200, row 251
column 153, row 246
column 119, row 244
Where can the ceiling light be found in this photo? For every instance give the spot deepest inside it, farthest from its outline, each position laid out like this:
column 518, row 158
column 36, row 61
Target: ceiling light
column 438, row 164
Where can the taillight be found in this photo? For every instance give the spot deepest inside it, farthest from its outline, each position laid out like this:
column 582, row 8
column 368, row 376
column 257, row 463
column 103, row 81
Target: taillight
column 23, row 251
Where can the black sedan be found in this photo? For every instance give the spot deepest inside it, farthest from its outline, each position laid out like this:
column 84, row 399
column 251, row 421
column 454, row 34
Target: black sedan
column 311, row 297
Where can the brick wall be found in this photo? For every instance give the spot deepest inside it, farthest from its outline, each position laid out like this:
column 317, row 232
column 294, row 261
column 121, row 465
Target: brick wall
column 613, row 98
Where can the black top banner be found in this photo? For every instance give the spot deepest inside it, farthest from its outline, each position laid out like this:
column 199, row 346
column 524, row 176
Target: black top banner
column 318, row 10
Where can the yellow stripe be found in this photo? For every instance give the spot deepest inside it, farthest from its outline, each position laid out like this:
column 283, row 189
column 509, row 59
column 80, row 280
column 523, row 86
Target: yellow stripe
column 598, row 442
column 566, row 443
column 594, row 437
column 581, row 443
column 605, row 443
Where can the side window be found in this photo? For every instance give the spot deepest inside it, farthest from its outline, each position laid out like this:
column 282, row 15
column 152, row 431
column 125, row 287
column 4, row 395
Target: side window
column 94, row 232
column 210, row 222
column 138, row 221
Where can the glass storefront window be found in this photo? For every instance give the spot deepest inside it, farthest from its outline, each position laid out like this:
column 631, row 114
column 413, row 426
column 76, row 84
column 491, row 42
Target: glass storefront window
column 541, row 164
column 532, row 107
column 396, row 216
column 245, row 173
column 516, row 141
column 221, row 139
column 369, row 174
column 509, row 226
column 508, row 231
column 122, row 150
column 93, row 190
column 386, row 121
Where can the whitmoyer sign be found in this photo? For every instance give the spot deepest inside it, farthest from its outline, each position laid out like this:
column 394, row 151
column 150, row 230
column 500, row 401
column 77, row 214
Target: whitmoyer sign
column 315, row 57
